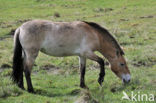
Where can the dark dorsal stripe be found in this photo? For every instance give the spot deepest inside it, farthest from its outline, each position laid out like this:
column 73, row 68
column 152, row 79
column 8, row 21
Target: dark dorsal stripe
column 103, row 31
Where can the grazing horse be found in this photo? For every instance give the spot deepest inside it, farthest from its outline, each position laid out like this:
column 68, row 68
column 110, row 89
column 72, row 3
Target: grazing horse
column 59, row 39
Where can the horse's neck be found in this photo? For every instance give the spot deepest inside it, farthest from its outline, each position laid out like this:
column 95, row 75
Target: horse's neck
column 108, row 50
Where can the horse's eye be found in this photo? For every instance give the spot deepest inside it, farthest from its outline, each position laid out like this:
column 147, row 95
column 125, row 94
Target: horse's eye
column 122, row 64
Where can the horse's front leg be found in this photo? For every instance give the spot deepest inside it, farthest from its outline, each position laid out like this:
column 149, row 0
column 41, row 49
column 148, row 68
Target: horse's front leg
column 82, row 65
column 102, row 70
column 100, row 61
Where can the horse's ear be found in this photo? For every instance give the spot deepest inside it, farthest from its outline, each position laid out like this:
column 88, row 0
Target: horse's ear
column 117, row 53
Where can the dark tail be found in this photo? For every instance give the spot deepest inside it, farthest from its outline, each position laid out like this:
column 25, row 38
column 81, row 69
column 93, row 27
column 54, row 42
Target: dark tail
column 17, row 59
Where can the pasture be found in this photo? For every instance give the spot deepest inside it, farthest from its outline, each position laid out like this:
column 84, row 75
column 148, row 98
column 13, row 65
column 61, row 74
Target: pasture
column 56, row 80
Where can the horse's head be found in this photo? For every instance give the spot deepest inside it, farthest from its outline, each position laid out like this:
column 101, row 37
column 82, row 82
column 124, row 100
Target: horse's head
column 120, row 68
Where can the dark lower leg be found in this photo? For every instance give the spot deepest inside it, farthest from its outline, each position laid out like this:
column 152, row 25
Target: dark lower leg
column 21, row 83
column 82, row 71
column 82, row 77
column 28, row 79
column 102, row 71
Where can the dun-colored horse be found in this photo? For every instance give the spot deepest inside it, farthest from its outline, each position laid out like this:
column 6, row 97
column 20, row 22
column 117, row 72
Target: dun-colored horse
column 66, row 39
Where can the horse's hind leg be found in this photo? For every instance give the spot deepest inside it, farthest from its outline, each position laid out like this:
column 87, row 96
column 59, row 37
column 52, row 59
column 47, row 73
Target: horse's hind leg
column 27, row 72
column 28, row 64
column 99, row 60
column 82, row 65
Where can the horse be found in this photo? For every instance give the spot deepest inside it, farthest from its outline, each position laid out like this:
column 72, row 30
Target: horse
column 60, row 39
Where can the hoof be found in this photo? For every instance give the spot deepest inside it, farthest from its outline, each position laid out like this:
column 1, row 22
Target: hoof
column 83, row 86
column 22, row 87
column 31, row 90
column 100, row 81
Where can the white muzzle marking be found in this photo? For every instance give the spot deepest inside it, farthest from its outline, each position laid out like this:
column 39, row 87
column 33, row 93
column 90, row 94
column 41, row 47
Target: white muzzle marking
column 126, row 78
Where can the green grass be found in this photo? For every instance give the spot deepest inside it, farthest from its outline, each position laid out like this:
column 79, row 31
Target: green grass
column 132, row 22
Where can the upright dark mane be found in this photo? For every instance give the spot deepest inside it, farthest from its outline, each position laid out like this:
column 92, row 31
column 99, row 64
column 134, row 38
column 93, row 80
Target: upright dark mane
column 106, row 33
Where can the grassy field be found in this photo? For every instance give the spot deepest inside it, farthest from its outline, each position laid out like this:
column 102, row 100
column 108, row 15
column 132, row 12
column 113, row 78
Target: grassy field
column 56, row 80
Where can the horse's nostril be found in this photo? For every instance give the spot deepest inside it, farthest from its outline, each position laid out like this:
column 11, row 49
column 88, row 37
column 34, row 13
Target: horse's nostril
column 126, row 81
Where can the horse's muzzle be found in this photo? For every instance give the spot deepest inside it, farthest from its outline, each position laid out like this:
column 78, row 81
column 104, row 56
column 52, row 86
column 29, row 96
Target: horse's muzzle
column 126, row 78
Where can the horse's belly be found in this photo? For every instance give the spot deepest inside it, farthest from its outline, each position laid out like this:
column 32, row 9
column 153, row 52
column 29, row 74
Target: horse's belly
column 59, row 50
